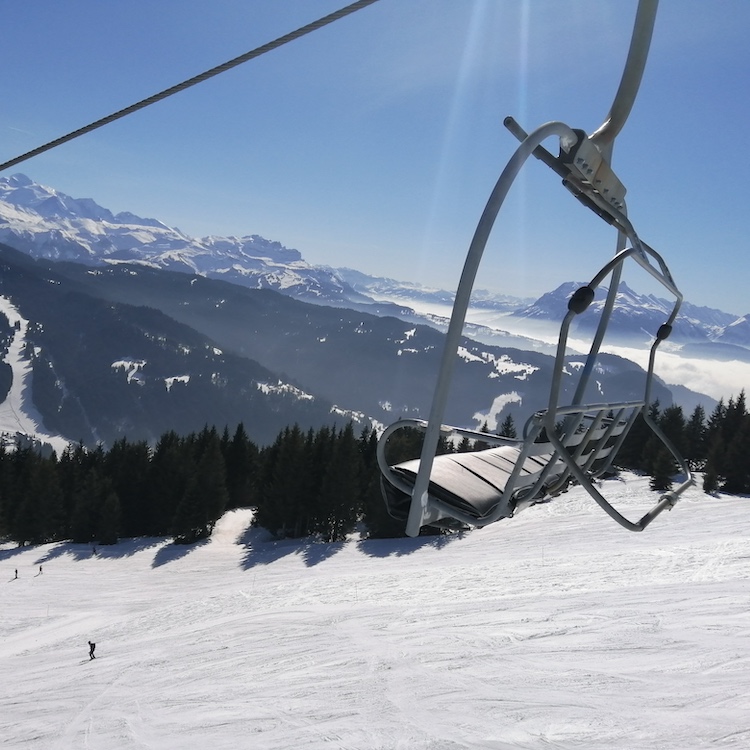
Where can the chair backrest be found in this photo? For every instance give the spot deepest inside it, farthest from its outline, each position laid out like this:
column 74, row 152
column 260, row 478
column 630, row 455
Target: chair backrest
column 589, row 437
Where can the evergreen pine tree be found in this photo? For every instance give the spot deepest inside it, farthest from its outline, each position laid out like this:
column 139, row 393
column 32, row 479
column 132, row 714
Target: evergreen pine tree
column 241, row 458
column 311, row 507
column 212, row 471
column 84, row 519
column 672, row 424
column 190, row 519
column 380, row 525
column 634, row 452
column 267, row 461
column 663, row 468
column 737, row 465
column 43, row 485
column 368, row 451
column 5, row 473
column 710, row 480
column 695, row 438
column 733, row 417
column 108, row 523
column 340, row 493
column 39, row 517
column 715, row 422
column 19, row 509
column 465, row 445
column 652, row 445
column 713, row 475
column 508, row 428
column 283, row 497
column 72, row 468
column 127, row 466
column 224, row 443
column 403, row 445
column 25, row 529
column 205, row 496
column 481, row 445
column 170, row 468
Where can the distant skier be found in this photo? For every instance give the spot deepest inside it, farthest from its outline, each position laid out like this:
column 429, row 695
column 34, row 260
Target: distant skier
column 92, row 646
column 40, row 570
column 16, row 572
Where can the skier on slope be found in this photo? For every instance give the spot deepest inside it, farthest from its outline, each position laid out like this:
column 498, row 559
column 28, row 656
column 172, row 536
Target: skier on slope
column 92, row 646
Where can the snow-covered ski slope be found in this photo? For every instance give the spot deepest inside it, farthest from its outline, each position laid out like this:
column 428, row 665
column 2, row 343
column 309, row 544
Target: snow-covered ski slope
column 17, row 411
column 556, row 629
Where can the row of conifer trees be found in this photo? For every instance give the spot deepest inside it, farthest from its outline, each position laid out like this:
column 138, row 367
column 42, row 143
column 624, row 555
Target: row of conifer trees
column 323, row 484
column 717, row 446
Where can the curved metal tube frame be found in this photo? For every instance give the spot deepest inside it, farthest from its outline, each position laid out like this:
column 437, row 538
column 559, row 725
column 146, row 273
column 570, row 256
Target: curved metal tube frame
column 460, row 306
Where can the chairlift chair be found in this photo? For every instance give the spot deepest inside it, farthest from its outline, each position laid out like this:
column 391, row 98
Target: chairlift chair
column 564, row 443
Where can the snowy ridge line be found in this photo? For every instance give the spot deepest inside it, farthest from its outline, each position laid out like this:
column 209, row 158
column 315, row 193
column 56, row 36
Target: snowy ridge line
column 45, row 223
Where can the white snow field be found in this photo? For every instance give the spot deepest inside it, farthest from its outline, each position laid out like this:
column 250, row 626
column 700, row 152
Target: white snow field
column 556, row 629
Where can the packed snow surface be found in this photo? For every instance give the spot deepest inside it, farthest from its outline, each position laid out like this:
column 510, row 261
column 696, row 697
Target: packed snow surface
column 556, row 629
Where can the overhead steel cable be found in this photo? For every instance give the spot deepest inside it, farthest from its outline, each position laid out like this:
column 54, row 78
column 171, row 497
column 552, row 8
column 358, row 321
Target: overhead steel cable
column 257, row 52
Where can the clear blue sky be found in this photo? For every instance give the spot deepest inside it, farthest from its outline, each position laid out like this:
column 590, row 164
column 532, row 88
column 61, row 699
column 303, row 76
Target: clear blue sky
column 375, row 142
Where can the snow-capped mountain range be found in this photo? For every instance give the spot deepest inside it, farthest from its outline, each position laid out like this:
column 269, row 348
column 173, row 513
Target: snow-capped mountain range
column 48, row 224
column 45, row 223
column 637, row 315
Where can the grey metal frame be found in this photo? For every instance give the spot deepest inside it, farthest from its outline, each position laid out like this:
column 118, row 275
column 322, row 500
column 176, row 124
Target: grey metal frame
column 424, row 508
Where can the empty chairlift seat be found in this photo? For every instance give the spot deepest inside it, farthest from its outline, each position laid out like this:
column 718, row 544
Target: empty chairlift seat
column 480, row 487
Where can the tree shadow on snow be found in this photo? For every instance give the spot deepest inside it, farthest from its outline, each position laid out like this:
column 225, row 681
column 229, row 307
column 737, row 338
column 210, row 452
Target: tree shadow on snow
column 317, row 552
column 63, row 549
column 171, row 552
column 262, row 549
column 7, row 554
column 406, row 545
column 79, row 552
column 127, row 547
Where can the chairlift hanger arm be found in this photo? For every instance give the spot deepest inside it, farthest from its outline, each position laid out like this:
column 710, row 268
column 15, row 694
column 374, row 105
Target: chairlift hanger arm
column 601, row 141
column 632, row 74
column 557, row 165
column 586, row 174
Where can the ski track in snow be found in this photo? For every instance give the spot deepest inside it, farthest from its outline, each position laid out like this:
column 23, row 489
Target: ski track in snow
column 556, row 629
